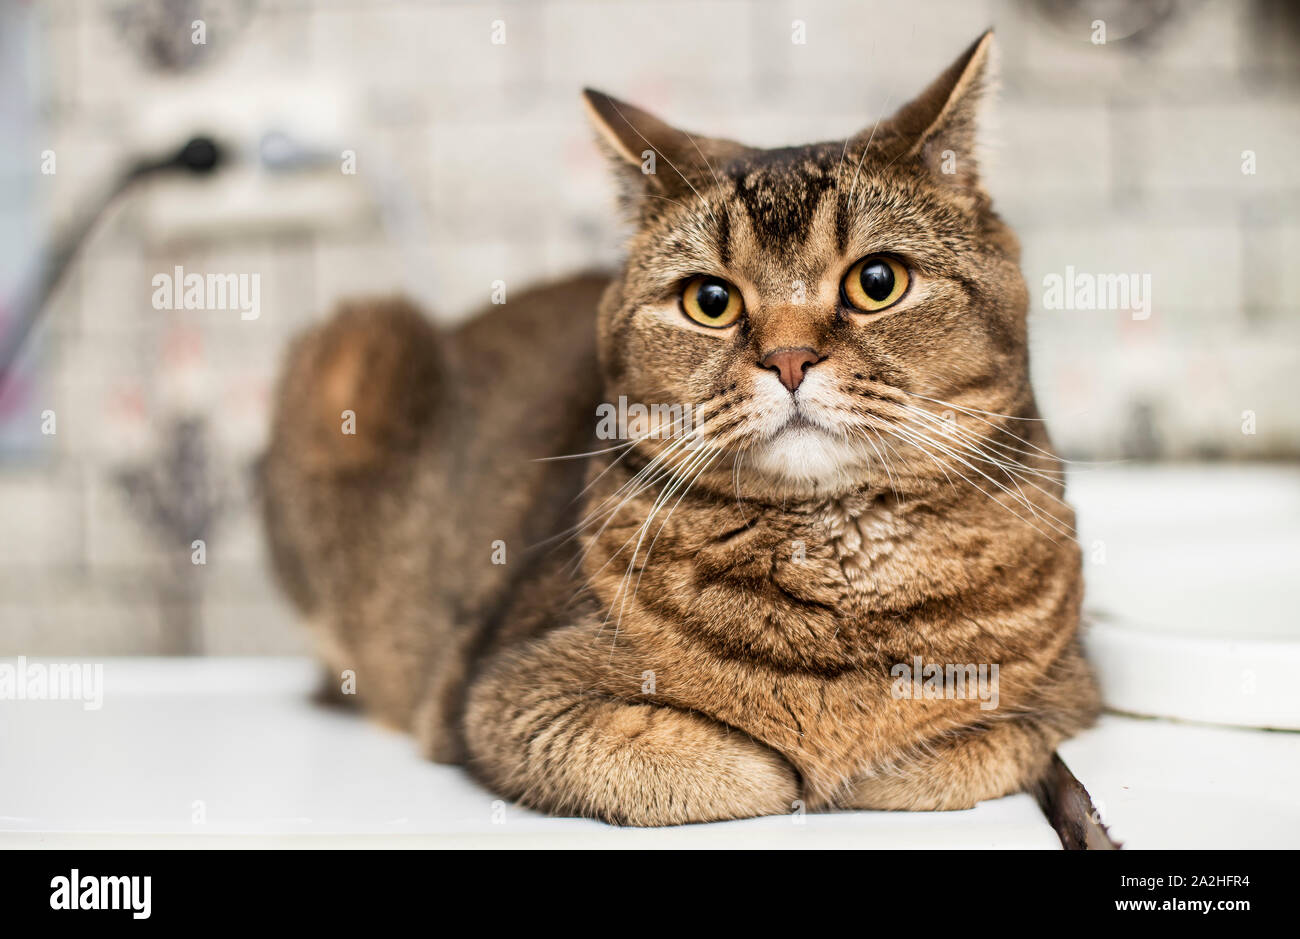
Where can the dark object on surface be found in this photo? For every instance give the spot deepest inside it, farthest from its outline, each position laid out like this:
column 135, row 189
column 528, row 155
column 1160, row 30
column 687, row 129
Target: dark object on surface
column 1069, row 808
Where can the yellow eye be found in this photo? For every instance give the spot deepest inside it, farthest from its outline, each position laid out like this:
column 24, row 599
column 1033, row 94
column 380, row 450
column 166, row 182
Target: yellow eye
column 875, row 282
column 711, row 301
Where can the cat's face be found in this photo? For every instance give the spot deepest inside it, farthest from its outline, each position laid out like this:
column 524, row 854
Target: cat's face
column 827, row 312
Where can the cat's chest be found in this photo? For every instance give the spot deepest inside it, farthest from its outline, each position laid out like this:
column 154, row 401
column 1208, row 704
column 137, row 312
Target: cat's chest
column 860, row 550
column 863, row 542
column 845, row 555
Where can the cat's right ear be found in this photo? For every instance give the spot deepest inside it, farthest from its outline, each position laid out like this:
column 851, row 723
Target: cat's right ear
column 648, row 155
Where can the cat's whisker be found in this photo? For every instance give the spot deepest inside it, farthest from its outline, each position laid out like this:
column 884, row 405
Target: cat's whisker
column 921, row 443
column 614, row 463
column 735, row 478
column 1007, row 471
column 976, row 415
column 636, row 491
column 974, row 445
column 889, row 96
column 579, row 456
column 885, row 399
column 597, row 510
column 678, row 477
column 645, row 478
column 910, row 432
column 884, row 463
column 620, row 595
column 976, row 412
column 952, row 427
column 613, row 514
column 974, row 485
column 596, row 539
column 1010, row 475
column 1013, row 468
column 637, row 484
column 716, row 181
column 674, row 443
column 704, row 468
column 651, row 195
column 968, row 410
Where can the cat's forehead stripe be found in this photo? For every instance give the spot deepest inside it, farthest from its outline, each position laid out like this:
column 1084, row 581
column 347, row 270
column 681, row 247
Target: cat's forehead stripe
column 724, row 235
column 780, row 191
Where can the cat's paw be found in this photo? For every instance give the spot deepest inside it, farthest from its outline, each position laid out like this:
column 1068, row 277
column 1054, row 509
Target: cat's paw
column 622, row 762
column 655, row 766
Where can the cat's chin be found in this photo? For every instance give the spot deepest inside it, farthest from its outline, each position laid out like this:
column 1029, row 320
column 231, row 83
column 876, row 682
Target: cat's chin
column 805, row 455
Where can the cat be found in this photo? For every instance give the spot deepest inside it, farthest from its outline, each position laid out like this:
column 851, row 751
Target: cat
column 770, row 611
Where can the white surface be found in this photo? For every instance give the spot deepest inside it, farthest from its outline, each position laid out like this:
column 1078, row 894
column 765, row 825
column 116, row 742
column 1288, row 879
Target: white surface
column 1248, row 683
column 1192, row 572
column 1193, row 586
column 242, row 738
column 1160, row 784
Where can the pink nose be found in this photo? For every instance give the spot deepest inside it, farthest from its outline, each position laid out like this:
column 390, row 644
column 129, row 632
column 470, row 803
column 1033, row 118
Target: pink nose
column 790, row 364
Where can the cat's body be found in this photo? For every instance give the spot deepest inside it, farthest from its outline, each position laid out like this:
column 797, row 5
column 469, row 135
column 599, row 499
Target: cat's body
column 869, row 488
column 385, row 538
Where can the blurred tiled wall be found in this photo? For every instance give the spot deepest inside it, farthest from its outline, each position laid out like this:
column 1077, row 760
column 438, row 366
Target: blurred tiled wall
column 473, row 163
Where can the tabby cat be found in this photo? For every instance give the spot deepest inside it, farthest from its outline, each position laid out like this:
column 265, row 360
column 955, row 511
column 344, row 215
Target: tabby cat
column 731, row 618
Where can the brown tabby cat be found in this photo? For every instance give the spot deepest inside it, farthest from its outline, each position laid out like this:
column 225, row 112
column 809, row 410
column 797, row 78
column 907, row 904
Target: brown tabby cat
column 713, row 621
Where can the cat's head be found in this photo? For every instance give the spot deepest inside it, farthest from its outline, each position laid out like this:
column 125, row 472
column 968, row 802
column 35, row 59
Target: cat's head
column 808, row 303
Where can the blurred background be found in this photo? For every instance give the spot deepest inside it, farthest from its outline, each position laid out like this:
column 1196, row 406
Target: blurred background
column 434, row 148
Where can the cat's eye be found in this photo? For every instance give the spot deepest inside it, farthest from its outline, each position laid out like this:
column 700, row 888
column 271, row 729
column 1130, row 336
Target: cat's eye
column 874, row 283
column 711, row 301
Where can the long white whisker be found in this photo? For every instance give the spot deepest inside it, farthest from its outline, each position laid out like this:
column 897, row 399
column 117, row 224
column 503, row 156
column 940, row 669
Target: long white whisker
column 650, row 474
column 704, row 468
column 908, row 437
column 883, row 462
column 620, row 595
column 943, row 448
column 976, row 412
column 955, row 428
column 1013, row 468
column 579, row 456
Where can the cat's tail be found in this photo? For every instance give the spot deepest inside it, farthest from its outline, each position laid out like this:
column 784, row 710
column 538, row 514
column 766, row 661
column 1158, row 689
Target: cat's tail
column 356, row 397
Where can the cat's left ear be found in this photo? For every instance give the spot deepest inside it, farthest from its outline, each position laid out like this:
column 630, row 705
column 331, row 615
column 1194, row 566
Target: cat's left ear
column 939, row 128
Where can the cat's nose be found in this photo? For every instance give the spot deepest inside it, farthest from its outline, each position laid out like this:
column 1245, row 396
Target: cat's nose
column 790, row 364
